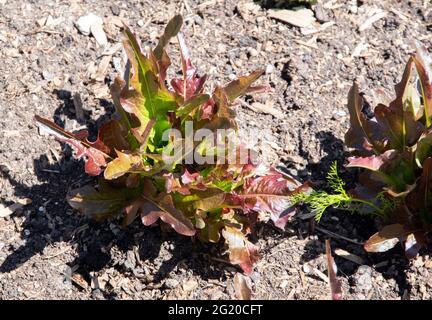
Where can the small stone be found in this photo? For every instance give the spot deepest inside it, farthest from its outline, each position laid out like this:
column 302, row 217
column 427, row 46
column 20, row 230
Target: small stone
column 140, row 23
column 115, row 10
column 48, row 76
column 320, row 13
column 363, row 278
column 252, row 52
column 353, row 9
column 269, row 69
column 232, row 76
column 198, row 20
column 171, row 283
column 306, row 269
column 84, row 23
column 117, row 62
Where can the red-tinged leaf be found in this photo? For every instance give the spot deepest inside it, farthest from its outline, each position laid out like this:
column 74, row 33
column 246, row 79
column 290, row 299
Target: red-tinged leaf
column 116, row 89
column 114, row 136
column 420, row 200
column 242, row 287
column 224, row 117
column 171, row 30
column 93, row 152
column 121, row 165
column 269, row 194
column 162, row 59
column 364, row 135
column 239, row 87
column 398, row 121
column 334, row 282
column 386, row 238
column 163, row 208
column 208, row 110
column 423, row 63
column 258, row 89
column 373, row 163
column 240, row 250
column 105, row 203
column 191, row 84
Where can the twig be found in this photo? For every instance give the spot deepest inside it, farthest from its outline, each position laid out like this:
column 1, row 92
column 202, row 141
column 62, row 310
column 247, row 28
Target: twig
column 337, row 236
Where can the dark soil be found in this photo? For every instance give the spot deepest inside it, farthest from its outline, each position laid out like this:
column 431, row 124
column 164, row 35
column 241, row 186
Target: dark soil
column 48, row 251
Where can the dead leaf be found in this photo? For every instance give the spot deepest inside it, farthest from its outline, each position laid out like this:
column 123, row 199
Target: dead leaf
column 371, row 20
column 242, row 287
column 7, row 211
column 267, row 108
column 334, row 282
column 302, row 18
column 99, row 34
column 349, row 256
column 190, row 285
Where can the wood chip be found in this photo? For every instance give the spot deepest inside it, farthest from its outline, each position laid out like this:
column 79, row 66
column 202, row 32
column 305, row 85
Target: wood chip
column 267, row 108
column 321, row 275
column 99, row 34
column 371, row 20
column 242, row 287
column 349, row 256
column 302, row 18
column 7, row 211
column 100, row 72
column 190, row 285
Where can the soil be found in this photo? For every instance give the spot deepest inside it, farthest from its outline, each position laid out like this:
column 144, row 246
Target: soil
column 48, row 251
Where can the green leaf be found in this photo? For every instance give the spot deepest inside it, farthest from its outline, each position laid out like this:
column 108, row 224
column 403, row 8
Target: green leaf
column 423, row 149
column 121, row 165
column 192, row 104
column 422, row 62
column 150, row 99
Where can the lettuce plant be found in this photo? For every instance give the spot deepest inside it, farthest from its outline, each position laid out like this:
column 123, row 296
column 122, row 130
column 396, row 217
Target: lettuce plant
column 393, row 148
column 142, row 174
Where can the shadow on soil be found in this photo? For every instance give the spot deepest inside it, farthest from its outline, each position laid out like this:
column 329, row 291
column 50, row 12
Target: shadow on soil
column 50, row 220
column 281, row 4
column 348, row 226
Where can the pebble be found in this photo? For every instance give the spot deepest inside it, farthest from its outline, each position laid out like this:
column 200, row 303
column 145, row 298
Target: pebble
column 171, row 283
column 252, row 52
column 48, row 76
column 140, row 23
column 232, row 76
column 363, row 278
column 269, row 69
column 115, row 10
column 320, row 13
column 84, row 23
